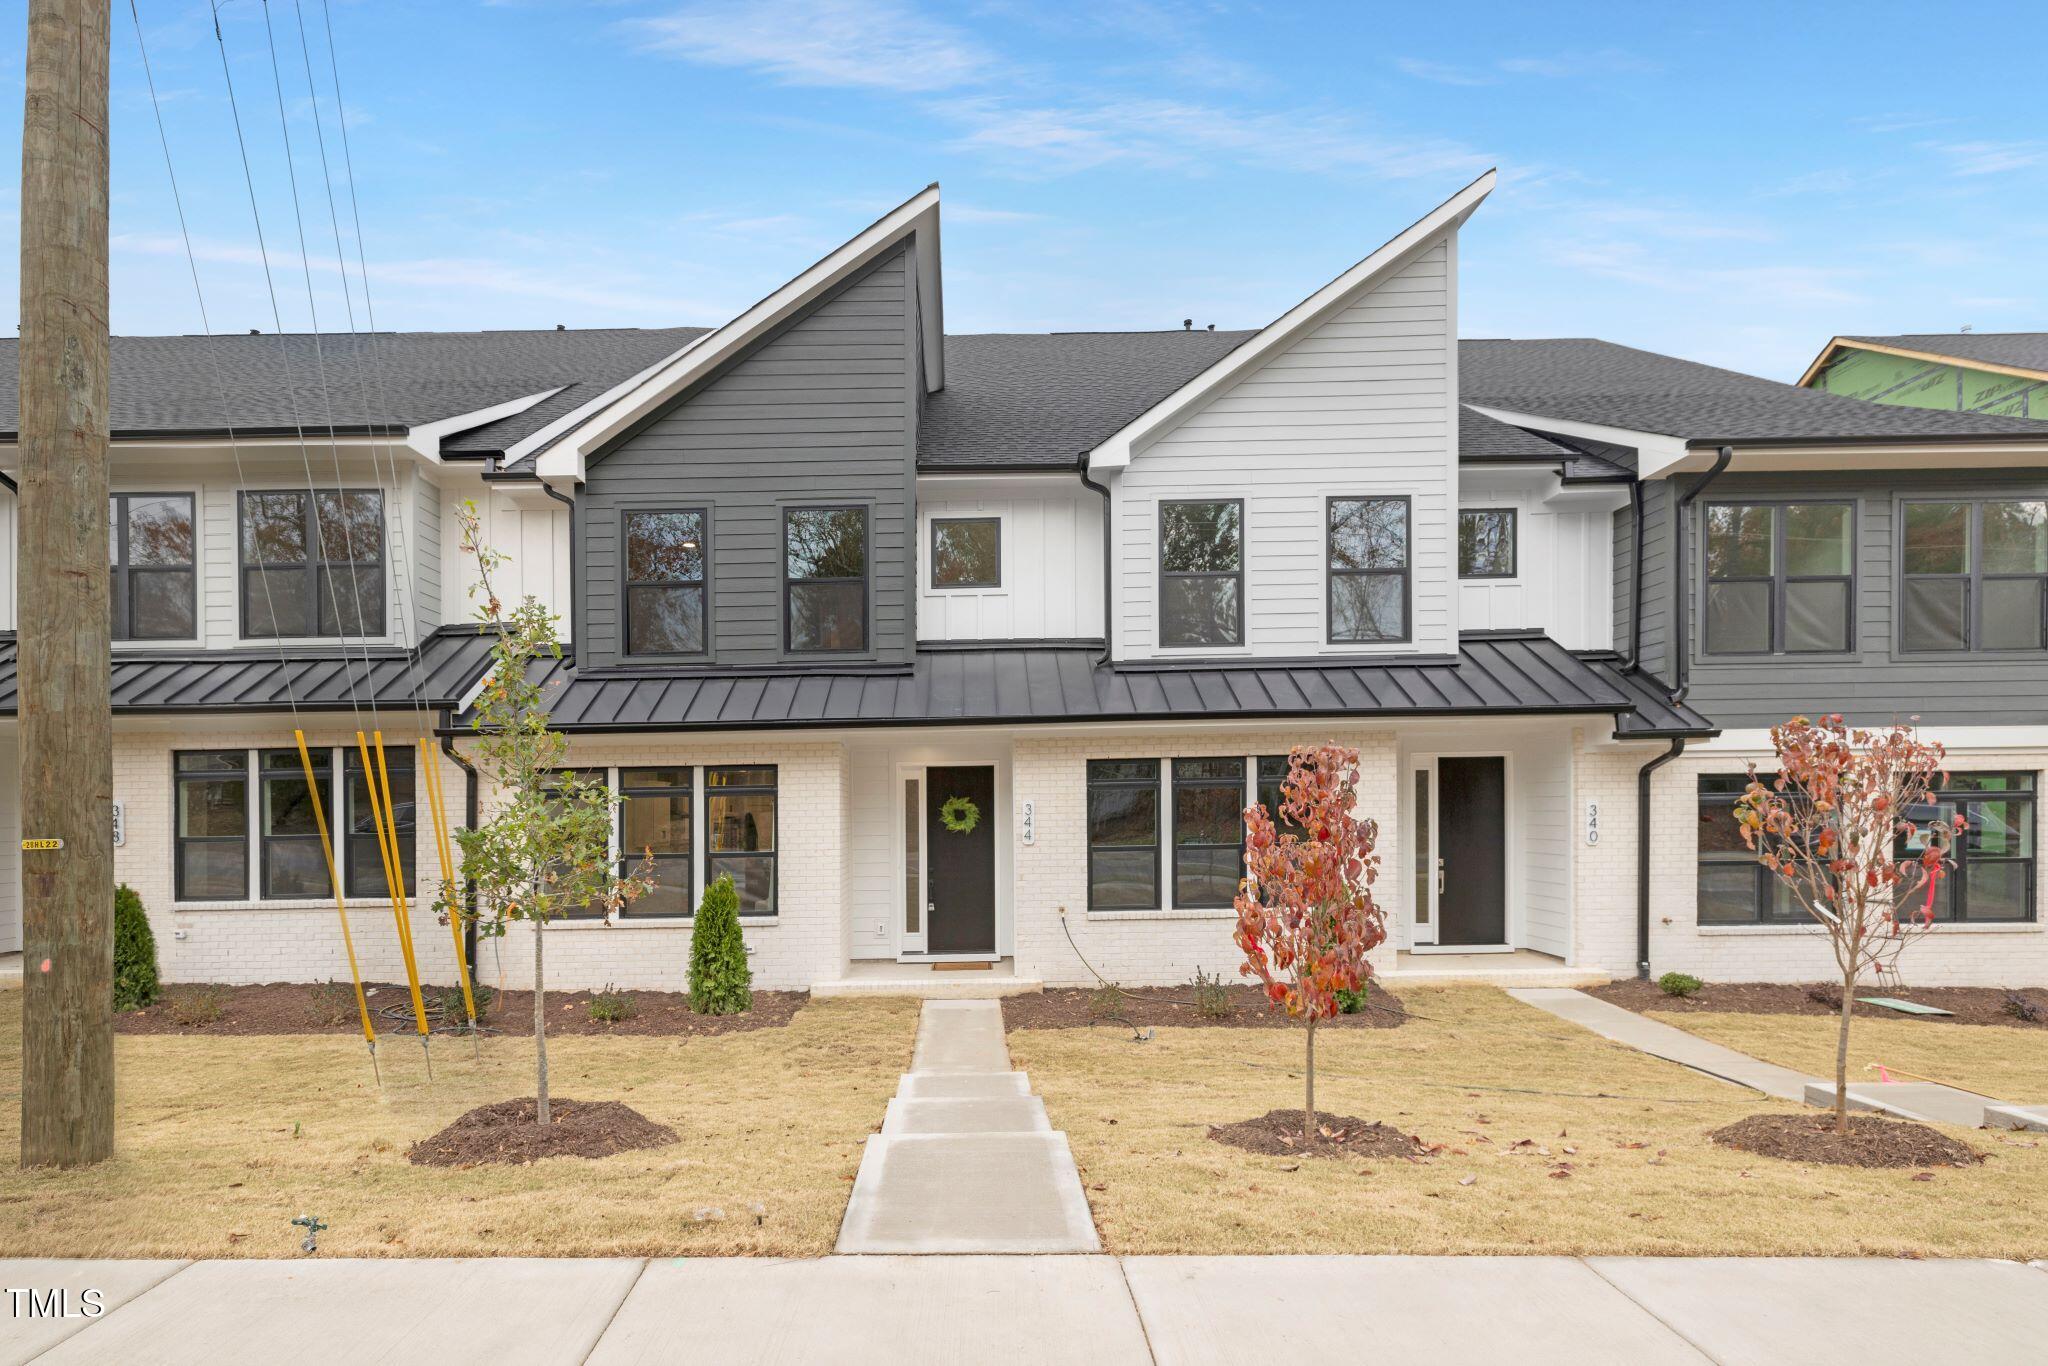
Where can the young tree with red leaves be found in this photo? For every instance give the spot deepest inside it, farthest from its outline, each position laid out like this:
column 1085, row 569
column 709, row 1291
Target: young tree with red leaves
column 1834, row 824
column 1306, row 918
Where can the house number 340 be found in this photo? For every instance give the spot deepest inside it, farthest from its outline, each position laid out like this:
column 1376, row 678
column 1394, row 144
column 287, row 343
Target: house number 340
column 1592, row 822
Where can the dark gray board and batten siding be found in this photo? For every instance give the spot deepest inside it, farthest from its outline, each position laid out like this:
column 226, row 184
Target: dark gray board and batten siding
column 823, row 411
column 1876, row 682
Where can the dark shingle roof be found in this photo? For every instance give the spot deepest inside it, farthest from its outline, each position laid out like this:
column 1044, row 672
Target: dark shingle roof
column 385, row 380
column 1497, row 673
column 1578, row 379
column 2021, row 350
column 440, row 674
column 1481, row 438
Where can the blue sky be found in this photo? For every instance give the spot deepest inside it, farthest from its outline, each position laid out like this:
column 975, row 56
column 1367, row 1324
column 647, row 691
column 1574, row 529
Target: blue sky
column 1732, row 183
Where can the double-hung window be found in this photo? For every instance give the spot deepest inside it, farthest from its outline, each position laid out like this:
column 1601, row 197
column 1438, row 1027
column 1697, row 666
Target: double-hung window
column 825, row 580
column 1271, row 792
column 739, row 833
column 1486, row 543
column 1123, row 834
column 153, row 566
column 362, row 862
column 1992, row 880
column 967, row 552
column 556, row 782
column 655, row 825
column 1208, row 832
column 665, row 601
column 1973, row 575
column 1367, row 542
column 211, row 834
column 1735, row 889
column 312, row 564
column 1779, row 578
column 1201, row 574
column 294, row 864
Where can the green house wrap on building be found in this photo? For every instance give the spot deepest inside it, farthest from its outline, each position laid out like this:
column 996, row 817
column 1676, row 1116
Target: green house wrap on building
column 2000, row 373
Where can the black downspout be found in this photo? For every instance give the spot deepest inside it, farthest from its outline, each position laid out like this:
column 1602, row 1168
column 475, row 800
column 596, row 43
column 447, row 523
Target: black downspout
column 575, row 599
column 1643, row 855
column 1635, row 587
column 469, row 819
column 1108, row 635
column 11, row 486
column 1681, row 622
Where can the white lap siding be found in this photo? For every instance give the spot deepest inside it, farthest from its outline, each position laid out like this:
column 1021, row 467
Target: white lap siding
column 1149, row 947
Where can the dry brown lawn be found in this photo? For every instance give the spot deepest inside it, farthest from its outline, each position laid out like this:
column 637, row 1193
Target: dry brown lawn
column 1480, row 1075
column 221, row 1142
column 1994, row 1060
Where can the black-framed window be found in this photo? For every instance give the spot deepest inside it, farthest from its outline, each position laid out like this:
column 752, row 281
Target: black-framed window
column 1201, row 573
column 967, row 552
column 1735, row 889
column 362, row 870
column 1992, row 880
column 655, row 823
column 825, row 580
column 1780, row 578
column 294, row 864
column 592, row 910
column 1973, row 574
column 1272, row 778
column 152, row 554
column 312, row 565
column 210, row 797
column 739, row 833
column 1367, row 540
column 1208, row 832
column 666, row 554
column 1486, row 543
column 1123, row 834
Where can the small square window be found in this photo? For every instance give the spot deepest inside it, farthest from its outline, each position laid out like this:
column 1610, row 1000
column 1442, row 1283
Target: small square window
column 967, row 552
column 1486, row 543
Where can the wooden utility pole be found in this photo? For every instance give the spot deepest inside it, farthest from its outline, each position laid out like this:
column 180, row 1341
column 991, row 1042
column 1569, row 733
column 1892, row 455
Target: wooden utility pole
column 67, row 779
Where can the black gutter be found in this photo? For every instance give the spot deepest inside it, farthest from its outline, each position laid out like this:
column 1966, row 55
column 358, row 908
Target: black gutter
column 1108, row 631
column 1643, row 854
column 575, row 598
column 1635, row 589
column 469, row 818
column 1681, row 620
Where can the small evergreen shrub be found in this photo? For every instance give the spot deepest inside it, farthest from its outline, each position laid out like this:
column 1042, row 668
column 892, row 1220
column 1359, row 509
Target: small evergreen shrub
column 1106, row 1001
column 1351, row 1002
column 1212, row 998
column 721, row 983
column 609, row 1005
column 1679, row 984
column 135, row 980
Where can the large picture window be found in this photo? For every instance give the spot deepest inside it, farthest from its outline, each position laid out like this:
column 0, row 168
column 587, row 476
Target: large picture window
column 152, row 558
column 312, row 564
column 825, row 579
column 739, row 833
column 294, row 864
column 1486, row 543
column 1993, row 877
column 1201, row 574
column 362, row 864
column 1779, row 578
column 655, row 823
column 1208, row 831
column 1973, row 575
column 1367, row 544
column 211, row 800
column 1735, row 889
column 1123, row 834
column 665, row 600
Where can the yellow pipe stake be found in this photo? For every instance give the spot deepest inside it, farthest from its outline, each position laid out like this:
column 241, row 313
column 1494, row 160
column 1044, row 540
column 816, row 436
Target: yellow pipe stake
column 387, row 851
column 430, row 766
column 348, row 942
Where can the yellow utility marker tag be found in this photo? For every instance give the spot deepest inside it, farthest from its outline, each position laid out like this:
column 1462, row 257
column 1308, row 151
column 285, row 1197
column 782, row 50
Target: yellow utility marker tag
column 28, row 845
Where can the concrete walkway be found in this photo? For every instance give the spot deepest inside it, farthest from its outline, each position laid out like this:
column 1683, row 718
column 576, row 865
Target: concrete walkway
column 1130, row 1311
column 1660, row 1040
column 966, row 1161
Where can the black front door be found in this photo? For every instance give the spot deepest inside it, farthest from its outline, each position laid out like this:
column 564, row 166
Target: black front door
column 1472, row 837
column 960, row 867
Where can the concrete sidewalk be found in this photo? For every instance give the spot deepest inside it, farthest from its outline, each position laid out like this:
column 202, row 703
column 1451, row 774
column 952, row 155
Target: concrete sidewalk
column 1144, row 1311
column 1664, row 1041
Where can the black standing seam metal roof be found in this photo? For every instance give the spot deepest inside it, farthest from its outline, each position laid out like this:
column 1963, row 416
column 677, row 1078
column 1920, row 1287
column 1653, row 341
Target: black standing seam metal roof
column 1502, row 673
column 439, row 675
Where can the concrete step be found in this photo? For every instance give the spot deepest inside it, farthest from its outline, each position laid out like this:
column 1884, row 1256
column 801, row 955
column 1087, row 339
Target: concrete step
column 962, row 1085
column 930, row 1193
column 1926, row 1101
column 2033, row 1117
column 989, row 1115
column 960, row 1036
column 933, row 986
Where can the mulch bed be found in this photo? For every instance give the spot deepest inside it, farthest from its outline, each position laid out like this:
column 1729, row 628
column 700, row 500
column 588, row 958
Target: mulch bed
column 505, row 1132
column 1870, row 1142
column 330, row 1008
column 1144, row 1007
column 1972, row 1005
column 1277, row 1133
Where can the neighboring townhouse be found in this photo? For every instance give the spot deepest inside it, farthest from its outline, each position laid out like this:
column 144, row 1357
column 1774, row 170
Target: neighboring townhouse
column 962, row 655
column 2001, row 373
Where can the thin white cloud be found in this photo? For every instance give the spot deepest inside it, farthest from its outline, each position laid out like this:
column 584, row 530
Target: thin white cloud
column 975, row 213
column 879, row 44
column 1443, row 73
column 1990, row 158
column 1563, row 66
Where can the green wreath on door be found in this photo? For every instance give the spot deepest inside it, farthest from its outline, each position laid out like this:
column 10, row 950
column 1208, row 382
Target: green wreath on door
column 959, row 815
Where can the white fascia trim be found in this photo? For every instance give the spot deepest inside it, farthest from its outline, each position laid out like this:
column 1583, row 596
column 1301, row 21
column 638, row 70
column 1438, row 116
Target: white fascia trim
column 1655, row 452
column 1850, row 455
column 591, row 426
column 1115, row 452
column 427, row 436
